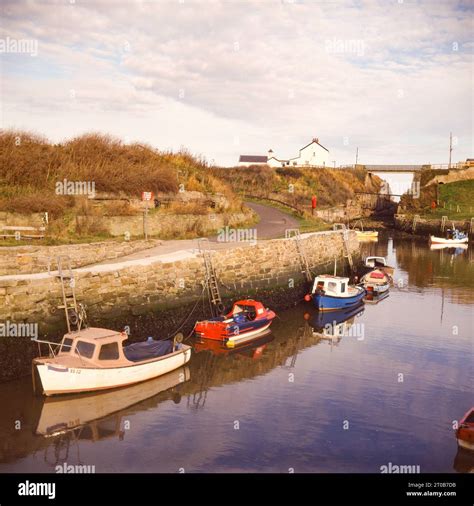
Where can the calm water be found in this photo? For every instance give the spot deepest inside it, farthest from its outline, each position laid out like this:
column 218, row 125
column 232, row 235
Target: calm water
column 388, row 393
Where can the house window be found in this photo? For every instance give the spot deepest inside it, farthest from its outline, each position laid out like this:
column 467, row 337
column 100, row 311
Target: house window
column 85, row 349
column 109, row 352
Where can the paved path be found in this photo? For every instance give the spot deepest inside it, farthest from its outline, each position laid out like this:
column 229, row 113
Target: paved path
column 272, row 224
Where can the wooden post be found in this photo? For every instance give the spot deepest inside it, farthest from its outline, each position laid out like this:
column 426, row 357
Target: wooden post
column 145, row 220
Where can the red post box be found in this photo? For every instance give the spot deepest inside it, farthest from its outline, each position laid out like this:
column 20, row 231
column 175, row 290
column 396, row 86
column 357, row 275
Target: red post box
column 314, row 202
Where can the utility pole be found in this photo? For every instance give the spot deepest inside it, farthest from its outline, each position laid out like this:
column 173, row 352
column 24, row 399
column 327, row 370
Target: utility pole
column 357, row 157
column 450, row 148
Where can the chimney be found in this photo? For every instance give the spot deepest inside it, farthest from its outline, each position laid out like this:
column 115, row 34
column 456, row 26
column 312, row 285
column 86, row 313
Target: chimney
column 270, row 154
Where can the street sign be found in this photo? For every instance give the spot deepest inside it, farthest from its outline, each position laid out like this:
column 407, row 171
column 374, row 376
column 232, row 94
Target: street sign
column 147, row 196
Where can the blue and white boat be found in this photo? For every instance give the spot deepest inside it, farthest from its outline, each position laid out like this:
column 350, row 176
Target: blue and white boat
column 332, row 293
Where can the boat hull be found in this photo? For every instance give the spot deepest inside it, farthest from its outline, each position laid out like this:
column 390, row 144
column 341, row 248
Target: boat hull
column 233, row 332
column 376, row 289
column 442, row 240
column 367, row 235
column 56, row 379
column 330, row 303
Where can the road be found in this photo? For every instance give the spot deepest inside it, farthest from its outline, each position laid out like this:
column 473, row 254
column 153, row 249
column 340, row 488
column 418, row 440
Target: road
column 272, row 225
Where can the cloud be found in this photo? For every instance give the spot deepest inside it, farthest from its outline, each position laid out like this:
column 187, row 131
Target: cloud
column 393, row 79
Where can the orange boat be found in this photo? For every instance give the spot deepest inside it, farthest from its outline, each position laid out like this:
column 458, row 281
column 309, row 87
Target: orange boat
column 465, row 432
column 246, row 320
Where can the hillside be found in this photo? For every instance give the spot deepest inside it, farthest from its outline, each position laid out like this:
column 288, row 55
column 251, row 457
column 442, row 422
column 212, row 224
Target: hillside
column 296, row 186
column 456, row 199
column 30, row 168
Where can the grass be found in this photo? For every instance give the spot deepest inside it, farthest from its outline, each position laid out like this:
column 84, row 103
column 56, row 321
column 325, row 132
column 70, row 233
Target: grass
column 296, row 186
column 451, row 195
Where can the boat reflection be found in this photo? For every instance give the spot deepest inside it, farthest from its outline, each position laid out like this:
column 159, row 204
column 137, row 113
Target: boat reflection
column 66, row 413
column 464, row 461
column 252, row 349
column 334, row 325
column 460, row 248
column 373, row 298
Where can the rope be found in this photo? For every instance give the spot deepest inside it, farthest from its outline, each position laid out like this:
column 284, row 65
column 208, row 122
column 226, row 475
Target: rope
column 187, row 317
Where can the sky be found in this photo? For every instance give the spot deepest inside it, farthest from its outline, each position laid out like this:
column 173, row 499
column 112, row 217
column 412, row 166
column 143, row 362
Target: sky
column 223, row 78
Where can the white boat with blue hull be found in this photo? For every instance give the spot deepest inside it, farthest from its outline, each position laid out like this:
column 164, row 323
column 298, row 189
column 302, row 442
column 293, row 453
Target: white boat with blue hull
column 332, row 293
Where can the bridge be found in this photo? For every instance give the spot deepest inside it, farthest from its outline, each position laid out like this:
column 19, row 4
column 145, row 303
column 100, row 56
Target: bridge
column 394, row 168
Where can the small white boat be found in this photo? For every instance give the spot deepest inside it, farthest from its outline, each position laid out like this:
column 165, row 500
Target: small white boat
column 374, row 262
column 95, row 359
column 461, row 247
column 453, row 242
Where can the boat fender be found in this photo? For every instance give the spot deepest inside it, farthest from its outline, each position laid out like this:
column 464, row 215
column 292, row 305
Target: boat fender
column 307, row 297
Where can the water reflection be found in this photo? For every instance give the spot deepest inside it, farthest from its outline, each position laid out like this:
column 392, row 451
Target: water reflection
column 65, row 413
column 289, row 391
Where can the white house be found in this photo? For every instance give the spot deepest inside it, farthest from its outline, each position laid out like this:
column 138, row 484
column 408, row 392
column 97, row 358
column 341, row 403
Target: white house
column 311, row 155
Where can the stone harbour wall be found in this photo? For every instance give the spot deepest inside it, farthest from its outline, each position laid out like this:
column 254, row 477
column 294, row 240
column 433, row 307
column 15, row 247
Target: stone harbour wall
column 430, row 226
column 32, row 259
column 137, row 287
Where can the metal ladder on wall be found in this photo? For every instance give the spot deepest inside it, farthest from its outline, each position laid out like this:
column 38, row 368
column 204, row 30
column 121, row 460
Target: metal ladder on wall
column 347, row 252
column 74, row 312
column 217, row 307
column 295, row 233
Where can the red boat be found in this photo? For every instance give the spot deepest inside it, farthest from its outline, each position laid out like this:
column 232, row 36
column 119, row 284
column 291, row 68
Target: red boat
column 465, row 432
column 247, row 319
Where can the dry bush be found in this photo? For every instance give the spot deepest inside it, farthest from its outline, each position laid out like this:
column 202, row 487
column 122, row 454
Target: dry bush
column 196, row 208
column 29, row 161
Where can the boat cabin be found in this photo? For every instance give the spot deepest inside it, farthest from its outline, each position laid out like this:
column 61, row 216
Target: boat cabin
column 247, row 307
column 94, row 345
column 375, row 262
column 102, row 348
column 335, row 286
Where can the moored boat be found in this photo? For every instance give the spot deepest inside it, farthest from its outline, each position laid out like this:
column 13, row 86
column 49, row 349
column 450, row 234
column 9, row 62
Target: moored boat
column 465, row 431
column 442, row 240
column 95, row 359
column 365, row 234
column 375, row 262
column 332, row 293
column 246, row 320
column 376, row 281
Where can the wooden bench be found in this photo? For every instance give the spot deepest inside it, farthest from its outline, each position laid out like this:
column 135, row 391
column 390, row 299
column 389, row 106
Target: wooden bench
column 20, row 232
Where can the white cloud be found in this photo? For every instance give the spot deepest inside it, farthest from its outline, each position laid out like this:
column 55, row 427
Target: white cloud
column 227, row 78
